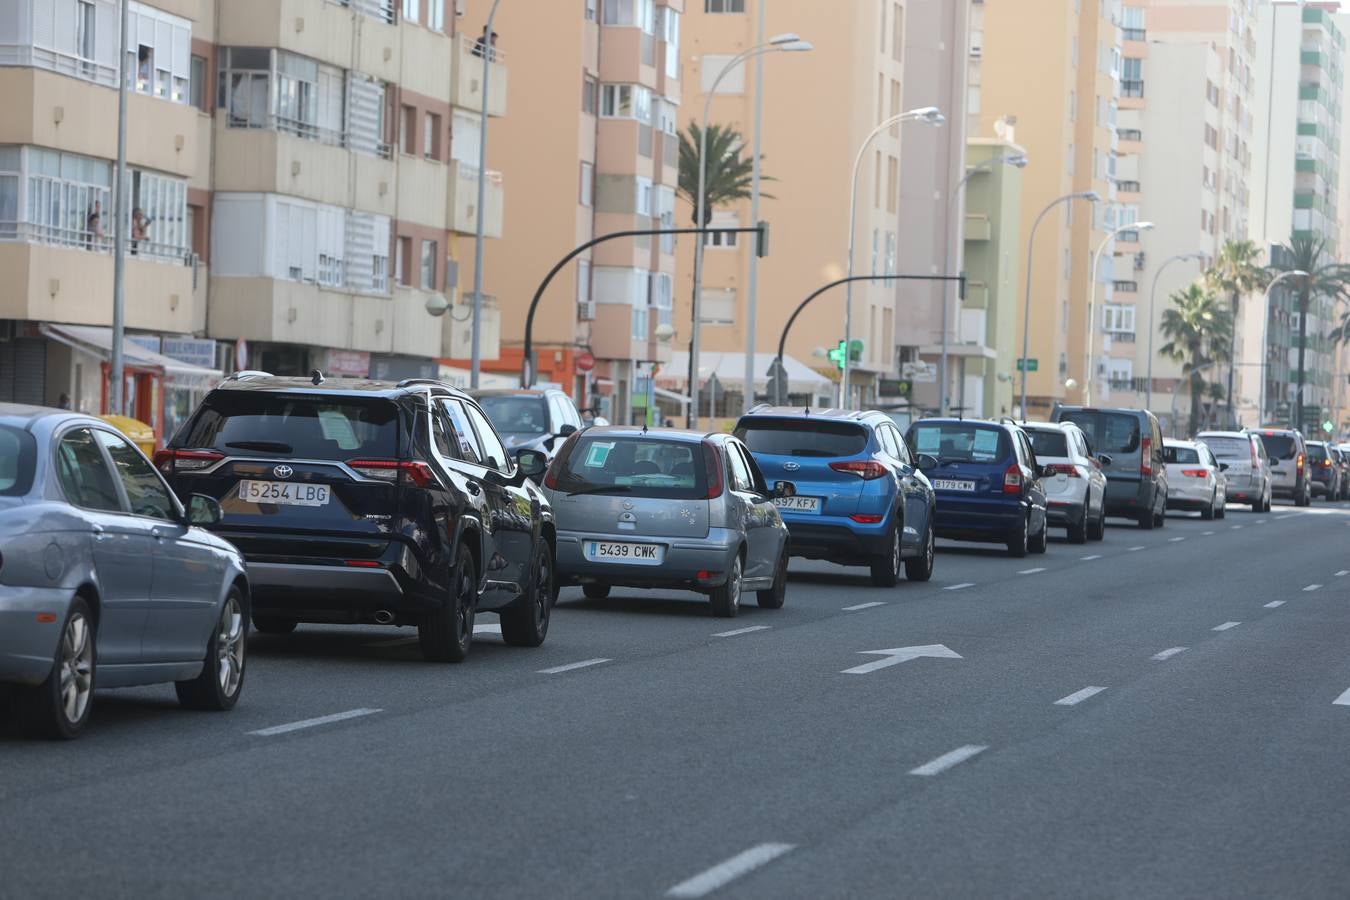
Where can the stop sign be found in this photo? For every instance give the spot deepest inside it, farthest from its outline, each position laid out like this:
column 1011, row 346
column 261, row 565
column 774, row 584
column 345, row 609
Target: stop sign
column 585, row 361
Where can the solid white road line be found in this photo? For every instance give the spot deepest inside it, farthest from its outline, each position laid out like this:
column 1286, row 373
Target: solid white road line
column 858, row 606
column 1140, row 547
column 1078, row 697
column 1342, row 572
column 1342, row 700
column 576, row 665
column 1032, row 571
column 742, row 630
column 1175, row 540
column 723, row 873
column 1092, row 557
column 1168, row 653
column 1274, row 603
column 947, row 760
column 957, row 587
column 1225, row 626
column 1312, row 587
column 311, row 723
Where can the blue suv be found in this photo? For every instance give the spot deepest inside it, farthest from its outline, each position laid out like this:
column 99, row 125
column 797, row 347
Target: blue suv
column 987, row 481
column 861, row 499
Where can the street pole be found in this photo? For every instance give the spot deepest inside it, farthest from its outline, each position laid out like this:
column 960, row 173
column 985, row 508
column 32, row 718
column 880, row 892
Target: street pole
column 752, row 277
column 476, row 354
column 933, row 116
column 1090, row 370
column 120, row 217
column 1152, row 296
column 1026, row 307
column 1265, row 323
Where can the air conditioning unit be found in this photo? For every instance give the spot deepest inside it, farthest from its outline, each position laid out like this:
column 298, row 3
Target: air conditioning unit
column 586, row 310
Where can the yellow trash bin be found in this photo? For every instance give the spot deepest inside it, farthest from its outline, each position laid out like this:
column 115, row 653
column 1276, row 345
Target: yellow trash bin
column 139, row 433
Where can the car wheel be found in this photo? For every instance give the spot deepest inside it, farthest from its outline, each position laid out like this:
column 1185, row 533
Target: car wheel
column 1097, row 530
column 273, row 625
column 920, row 568
column 1078, row 532
column 773, row 597
column 1208, row 512
column 1148, row 521
column 1222, row 511
column 1017, row 543
column 221, row 681
column 886, row 569
column 60, row 706
column 1039, row 543
column 526, row 623
column 594, row 591
column 446, row 633
column 726, row 598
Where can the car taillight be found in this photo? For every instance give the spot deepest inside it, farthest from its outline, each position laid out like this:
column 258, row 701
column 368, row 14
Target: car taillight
column 1326, row 464
column 1298, row 462
column 170, row 461
column 1195, row 473
column 1012, row 480
column 1146, row 456
column 1063, row 469
column 865, row 518
column 712, row 461
column 866, row 469
column 393, row 470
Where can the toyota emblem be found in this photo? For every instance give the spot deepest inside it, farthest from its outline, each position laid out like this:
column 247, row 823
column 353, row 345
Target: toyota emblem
column 791, row 466
column 283, row 471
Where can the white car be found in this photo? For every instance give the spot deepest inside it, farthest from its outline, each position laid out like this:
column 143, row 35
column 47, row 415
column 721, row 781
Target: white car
column 1195, row 479
column 1075, row 488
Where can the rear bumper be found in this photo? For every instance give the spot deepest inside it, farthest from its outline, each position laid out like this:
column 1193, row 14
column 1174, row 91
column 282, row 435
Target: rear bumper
column 1063, row 511
column 837, row 540
column 27, row 646
column 1189, row 497
column 1128, row 497
column 977, row 520
column 338, row 594
column 683, row 559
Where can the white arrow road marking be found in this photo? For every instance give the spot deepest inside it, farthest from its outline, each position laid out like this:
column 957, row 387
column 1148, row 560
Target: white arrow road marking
column 1168, row 653
column 1312, row 587
column 576, row 665
column 310, row 723
column 704, row 883
column 1342, row 700
column 858, row 606
column 947, row 760
column 1032, row 571
column 747, row 630
column 957, row 587
column 1225, row 626
column 1274, row 603
column 1092, row 557
column 897, row 655
column 1078, row 697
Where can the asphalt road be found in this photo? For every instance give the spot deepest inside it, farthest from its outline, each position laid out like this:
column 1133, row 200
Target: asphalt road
column 1153, row 715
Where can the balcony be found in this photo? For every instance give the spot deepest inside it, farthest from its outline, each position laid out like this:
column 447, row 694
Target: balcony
column 1125, row 287
column 466, row 78
column 1132, row 88
column 462, row 200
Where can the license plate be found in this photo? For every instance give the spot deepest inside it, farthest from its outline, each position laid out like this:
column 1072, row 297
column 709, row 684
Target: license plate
column 614, row 551
column 284, row 493
column 951, row 484
column 798, row 504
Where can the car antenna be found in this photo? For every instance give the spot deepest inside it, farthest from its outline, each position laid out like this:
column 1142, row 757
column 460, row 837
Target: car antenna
column 644, row 427
column 316, row 376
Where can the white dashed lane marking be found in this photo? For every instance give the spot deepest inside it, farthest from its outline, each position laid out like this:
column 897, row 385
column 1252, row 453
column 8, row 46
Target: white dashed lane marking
column 957, row 587
column 1225, row 626
column 858, row 606
column 1168, row 653
column 312, row 723
column 576, row 665
column 1274, row 604
column 1078, row 697
column 949, row 759
column 704, row 883
column 1312, row 587
column 737, row 631
column 1032, row 571
column 1090, row 558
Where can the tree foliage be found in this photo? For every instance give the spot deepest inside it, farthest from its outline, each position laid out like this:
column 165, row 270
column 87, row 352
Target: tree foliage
column 1199, row 336
column 729, row 174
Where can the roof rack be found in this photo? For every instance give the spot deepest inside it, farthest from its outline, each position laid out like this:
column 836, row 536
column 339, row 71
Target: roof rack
column 409, row 382
column 246, row 374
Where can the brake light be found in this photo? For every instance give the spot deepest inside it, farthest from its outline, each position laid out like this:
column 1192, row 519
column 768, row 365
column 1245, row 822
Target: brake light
column 1195, row 473
column 712, row 462
column 170, row 461
column 1326, row 464
column 866, row 469
column 1012, row 480
column 393, row 470
column 1146, row 456
column 865, row 518
column 362, row 563
column 1063, row 469
column 1298, row 462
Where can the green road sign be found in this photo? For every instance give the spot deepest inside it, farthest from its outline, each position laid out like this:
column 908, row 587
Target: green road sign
column 1030, row 365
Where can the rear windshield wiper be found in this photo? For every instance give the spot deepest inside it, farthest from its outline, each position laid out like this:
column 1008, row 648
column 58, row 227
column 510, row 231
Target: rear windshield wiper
column 265, row 446
column 602, row 489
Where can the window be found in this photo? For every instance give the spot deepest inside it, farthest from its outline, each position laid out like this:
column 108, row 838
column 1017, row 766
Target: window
column 639, row 321
column 663, row 297
column 55, row 198
column 711, row 66
column 587, row 187
column 411, row 11
column 158, row 52
column 717, row 306
column 428, row 265
column 892, row 182
column 199, row 92
column 1132, row 23
column 724, row 6
column 407, row 142
column 431, row 136
column 890, row 253
column 583, row 281
column 626, row 101
column 621, row 12
column 897, row 32
column 436, row 9
column 665, row 201
column 723, row 239
column 882, row 29
column 162, row 201
column 589, row 89
column 83, row 473
column 1119, row 319
column 494, row 454
column 740, row 478
column 264, row 88
column 146, row 493
column 670, row 29
column 403, row 255
column 471, row 450
column 643, row 200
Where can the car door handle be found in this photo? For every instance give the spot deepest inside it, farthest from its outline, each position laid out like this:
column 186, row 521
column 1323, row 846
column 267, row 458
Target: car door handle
column 154, row 533
column 99, row 533
column 473, row 488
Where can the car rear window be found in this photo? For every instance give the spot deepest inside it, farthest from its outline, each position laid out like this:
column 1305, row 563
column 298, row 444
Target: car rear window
column 802, row 437
column 18, row 456
column 249, row 423
column 1279, row 446
column 634, row 466
column 1048, row 443
column 1180, row 455
column 1228, row 447
column 516, row 415
column 959, row 441
column 1108, row 432
column 1317, row 451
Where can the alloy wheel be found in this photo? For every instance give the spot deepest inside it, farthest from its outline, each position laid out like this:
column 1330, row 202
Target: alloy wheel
column 77, row 668
column 734, row 584
column 544, row 586
column 230, row 646
column 895, row 552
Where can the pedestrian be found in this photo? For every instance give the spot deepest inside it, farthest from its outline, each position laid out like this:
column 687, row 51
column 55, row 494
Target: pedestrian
column 93, row 225
column 140, row 228
column 486, row 45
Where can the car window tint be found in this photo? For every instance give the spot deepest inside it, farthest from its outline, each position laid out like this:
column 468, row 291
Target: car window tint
column 83, row 473
column 18, row 460
column 757, row 481
column 1049, row 443
column 1180, row 455
column 443, row 433
column 887, row 441
column 801, row 437
column 469, row 448
column 902, row 449
column 1317, row 451
column 740, row 473
column 517, row 414
column 960, row 441
column 1229, row 447
column 146, row 494
column 494, row 452
column 644, row 466
column 1279, row 446
column 255, row 423
column 1109, row 432
column 1028, row 455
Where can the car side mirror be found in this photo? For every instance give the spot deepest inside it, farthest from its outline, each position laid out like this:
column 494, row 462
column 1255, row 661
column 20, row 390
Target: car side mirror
column 532, row 463
column 1223, row 467
column 1104, row 459
column 927, row 461
column 203, row 510
column 566, row 430
column 784, row 489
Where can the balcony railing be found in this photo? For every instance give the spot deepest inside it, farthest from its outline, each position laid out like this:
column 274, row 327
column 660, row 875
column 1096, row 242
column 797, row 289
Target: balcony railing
column 60, row 63
column 1127, row 287
column 1128, row 237
column 1124, row 337
column 1132, row 88
column 310, row 132
column 476, row 47
column 1133, row 34
column 383, row 10
column 1129, row 134
column 84, row 239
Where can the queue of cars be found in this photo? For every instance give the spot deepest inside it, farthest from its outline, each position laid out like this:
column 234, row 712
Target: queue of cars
column 289, row 500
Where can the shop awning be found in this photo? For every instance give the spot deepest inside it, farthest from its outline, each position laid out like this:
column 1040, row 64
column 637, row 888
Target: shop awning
column 730, row 371
column 662, row 393
column 97, row 341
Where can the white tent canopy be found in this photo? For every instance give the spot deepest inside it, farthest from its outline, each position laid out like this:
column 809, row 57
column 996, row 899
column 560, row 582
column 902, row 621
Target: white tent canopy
column 730, row 371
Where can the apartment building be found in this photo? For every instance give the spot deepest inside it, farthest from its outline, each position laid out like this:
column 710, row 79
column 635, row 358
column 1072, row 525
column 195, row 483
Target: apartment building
column 295, row 196
column 604, row 86
column 1296, row 172
column 817, row 109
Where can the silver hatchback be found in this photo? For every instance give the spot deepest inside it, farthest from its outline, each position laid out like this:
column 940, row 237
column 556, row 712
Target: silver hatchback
column 667, row 509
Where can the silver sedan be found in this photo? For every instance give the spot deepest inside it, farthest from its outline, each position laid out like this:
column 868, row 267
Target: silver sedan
column 105, row 580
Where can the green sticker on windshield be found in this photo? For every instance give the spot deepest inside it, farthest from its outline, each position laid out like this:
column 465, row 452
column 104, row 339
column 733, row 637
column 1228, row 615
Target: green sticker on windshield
column 597, row 454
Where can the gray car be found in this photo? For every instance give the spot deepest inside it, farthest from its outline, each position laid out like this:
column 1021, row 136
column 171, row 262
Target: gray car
column 105, row 580
column 1288, row 454
column 668, row 508
column 1248, row 472
column 533, row 419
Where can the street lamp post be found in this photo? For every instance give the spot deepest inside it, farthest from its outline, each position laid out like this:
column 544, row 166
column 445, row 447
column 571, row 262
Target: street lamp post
column 1265, row 323
column 933, row 116
column 1152, row 295
column 120, row 220
column 782, row 43
column 1089, row 370
column 1012, row 159
column 476, row 348
column 1090, row 196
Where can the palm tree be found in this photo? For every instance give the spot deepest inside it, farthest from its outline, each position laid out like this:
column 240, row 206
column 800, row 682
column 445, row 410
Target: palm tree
column 1236, row 272
column 728, row 176
column 1325, row 278
column 1199, row 332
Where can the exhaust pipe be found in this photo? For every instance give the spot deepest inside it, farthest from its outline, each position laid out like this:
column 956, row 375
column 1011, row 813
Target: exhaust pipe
column 384, row 617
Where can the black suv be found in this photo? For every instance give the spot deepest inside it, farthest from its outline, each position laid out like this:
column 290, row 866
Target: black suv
column 372, row 502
